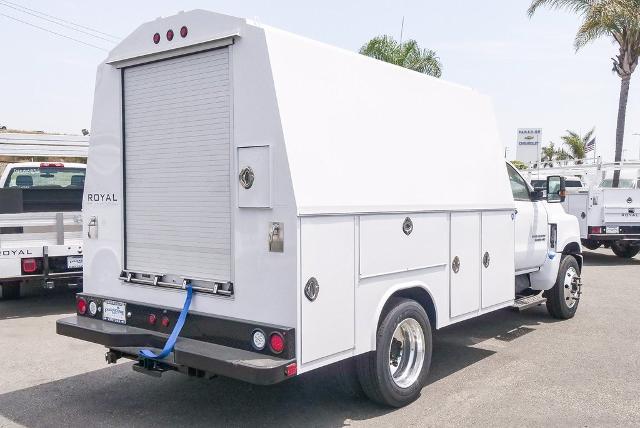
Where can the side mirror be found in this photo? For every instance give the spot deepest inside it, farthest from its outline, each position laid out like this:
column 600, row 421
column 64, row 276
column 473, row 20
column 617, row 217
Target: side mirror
column 556, row 189
column 537, row 194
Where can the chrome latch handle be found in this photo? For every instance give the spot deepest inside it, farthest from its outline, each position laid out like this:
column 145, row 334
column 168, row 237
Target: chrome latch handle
column 92, row 229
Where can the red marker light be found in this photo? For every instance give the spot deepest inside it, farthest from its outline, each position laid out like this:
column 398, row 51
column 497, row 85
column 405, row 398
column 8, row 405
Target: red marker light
column 170, row 35
column 276, row 341
column 291, row 370
column 82, row 306
column 165, row 321
column 184, row 31
column 51, row 165
column 156, row 38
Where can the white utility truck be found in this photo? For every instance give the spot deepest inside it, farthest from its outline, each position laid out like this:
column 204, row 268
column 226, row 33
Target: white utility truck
column 259, row 205
column 40, row 225
column 607, row 216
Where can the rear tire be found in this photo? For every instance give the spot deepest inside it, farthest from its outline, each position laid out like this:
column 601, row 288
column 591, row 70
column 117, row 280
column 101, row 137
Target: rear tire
column 563, row 298
column 591, row 244
column 624, row 250
column 394, row 374
column 10, row 290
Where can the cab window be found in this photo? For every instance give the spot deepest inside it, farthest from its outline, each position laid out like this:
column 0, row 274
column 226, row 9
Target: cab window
column 519, row 187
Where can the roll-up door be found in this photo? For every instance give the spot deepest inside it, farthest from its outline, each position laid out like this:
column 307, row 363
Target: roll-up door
column 177, row 158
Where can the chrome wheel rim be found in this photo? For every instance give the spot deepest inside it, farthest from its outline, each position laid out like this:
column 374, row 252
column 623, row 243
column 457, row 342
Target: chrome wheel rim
column 406, row 353
column 571, row 287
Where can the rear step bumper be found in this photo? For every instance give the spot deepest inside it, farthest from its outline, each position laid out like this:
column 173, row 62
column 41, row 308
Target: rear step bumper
column 226, row 361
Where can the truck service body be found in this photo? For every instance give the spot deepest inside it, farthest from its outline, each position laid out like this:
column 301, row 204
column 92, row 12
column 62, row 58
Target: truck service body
column 40, row 225
column 607, row 216
column 312, row 198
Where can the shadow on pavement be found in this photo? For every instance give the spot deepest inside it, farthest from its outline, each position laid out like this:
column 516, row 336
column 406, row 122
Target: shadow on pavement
column 608, row 259
column 46, row 302
column 117, row 396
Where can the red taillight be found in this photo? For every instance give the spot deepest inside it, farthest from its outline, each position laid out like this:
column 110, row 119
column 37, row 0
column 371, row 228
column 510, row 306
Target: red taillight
column 596, row 229
column 291, row 370
column 51, row 165
column 156, row 38
column 165, row 321
column 152, row 319
column 170, row 35
column 29, row 265
column 82, row 306
column 276, row 341
column 184, row 31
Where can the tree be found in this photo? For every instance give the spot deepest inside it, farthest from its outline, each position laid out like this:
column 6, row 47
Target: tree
column 548, row 154
column 618, row 20
column 405, row 54
column 577, row 144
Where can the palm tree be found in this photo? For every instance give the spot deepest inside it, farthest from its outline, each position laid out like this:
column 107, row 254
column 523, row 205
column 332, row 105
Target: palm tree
column 548, row 153
column 577, row 144
column 618, row 20
column 405, row 54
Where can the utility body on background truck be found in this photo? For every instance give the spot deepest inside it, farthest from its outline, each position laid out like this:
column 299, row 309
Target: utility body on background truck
column 40, row 225
column 607, row 216
column 271, row 205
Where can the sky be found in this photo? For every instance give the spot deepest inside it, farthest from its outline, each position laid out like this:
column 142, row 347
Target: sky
column 527, row 66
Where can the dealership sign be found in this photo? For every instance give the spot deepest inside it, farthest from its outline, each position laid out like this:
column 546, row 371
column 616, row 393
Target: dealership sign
column 529, row 142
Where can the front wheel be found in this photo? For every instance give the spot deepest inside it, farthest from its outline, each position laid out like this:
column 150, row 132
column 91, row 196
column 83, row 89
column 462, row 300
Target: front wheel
column 624, row 249
column 563, row 298
column 395, row 372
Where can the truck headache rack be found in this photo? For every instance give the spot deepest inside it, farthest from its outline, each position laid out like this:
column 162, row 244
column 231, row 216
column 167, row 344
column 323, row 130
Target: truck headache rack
column 224, row 289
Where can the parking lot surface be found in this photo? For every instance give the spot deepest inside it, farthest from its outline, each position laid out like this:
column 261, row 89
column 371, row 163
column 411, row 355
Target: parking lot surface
column 501, row 369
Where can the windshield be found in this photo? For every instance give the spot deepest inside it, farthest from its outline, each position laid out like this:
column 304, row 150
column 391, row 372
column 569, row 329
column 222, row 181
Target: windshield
column 625, row 183
column 46, row 177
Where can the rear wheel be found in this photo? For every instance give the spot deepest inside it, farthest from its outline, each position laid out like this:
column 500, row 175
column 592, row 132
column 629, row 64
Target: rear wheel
column 624, row 249
column 563, row 298
column 395, row 372
column 590, row 244
column 10, row 290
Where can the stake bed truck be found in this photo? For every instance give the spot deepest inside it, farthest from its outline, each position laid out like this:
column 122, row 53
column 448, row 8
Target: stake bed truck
column 40, row 225
column 268, row 205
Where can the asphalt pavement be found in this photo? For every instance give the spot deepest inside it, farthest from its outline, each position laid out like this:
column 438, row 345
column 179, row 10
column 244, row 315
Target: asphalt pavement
column 501, row 369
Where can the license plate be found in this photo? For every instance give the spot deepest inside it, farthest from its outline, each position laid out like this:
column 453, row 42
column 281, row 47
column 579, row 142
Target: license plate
column 114, row 311
column 74, row 262
column 612, row 229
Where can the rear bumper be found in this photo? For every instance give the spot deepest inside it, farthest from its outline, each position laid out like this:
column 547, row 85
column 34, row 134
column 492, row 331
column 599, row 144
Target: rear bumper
column 226, row 361
column 614, row 237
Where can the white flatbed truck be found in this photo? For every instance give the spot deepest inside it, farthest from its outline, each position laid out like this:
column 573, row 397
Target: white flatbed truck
column 40, row 225
column 259, row 205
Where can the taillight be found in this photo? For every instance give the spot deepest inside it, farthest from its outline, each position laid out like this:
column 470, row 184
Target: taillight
column 81, row 304
column 152, row 318
column 596, row 229
column 29, row 265
column 276, row 342
column 165, row 321
column 93, row 308
column 259, row 340
column 51, row 165
column 170, row 35
column 156, row 38
column 184, row 31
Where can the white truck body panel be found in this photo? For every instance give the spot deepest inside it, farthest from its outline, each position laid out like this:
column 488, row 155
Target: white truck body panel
column 319, row 126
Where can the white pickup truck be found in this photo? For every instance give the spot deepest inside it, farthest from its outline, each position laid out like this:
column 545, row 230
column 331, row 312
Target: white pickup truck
column 258, row 217
column 40, row 225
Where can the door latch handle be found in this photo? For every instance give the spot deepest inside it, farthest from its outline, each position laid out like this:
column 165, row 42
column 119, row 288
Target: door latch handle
column 92, row 229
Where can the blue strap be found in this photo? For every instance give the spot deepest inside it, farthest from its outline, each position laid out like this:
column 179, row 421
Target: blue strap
column 171, row 342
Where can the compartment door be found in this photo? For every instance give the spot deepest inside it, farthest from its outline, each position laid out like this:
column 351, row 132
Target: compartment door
column 328, row 255
column 464, row 263
column 498, row 258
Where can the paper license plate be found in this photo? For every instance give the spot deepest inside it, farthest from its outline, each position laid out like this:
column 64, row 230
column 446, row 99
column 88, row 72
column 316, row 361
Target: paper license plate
column 612, row 229
column 114, row 311
column 74, row 262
